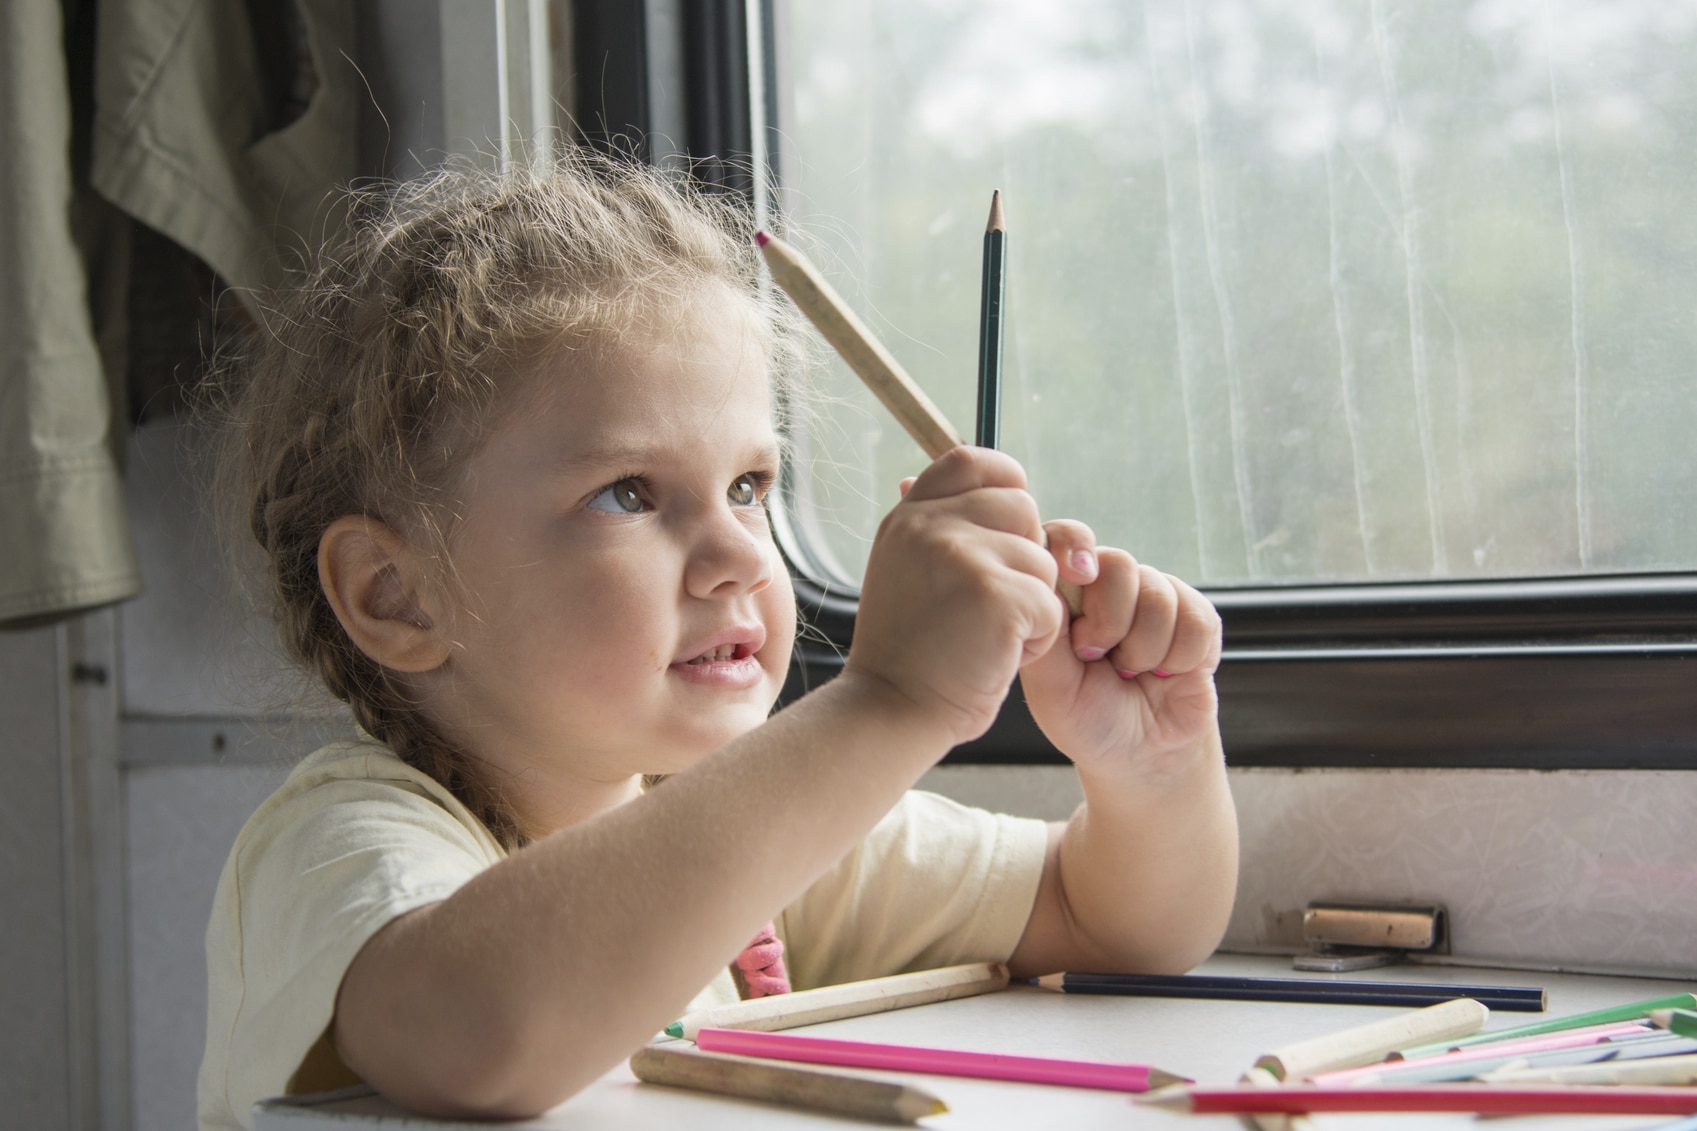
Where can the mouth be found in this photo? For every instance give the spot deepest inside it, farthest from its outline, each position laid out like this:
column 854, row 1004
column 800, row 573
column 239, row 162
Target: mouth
column 728, row 646
column 723, row 653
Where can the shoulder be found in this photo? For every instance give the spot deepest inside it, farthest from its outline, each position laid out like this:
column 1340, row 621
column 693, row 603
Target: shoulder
column 352, row 839
column 356, row 805
column 347, row 781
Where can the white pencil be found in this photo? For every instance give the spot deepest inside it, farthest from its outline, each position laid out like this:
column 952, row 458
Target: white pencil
column 1370, row 1043
column 850, row 999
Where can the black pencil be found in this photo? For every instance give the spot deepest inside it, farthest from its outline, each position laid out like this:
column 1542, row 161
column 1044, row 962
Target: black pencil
column 990, row 326
column 1522, row 998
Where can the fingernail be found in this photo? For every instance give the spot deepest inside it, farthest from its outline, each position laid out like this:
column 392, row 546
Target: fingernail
column 1162, row 674
column 1090, row 654
column 1084, row 562
column 1123, row 674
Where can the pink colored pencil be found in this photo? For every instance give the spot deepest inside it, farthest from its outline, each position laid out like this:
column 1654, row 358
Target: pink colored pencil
column 942, row 1062
column 1496, row 1099
column 1569, row 1038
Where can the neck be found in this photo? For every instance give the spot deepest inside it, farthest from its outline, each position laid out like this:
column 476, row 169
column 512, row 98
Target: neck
column 545, row 800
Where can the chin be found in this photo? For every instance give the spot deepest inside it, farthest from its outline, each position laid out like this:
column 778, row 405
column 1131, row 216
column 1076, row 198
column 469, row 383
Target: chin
column 687, row 750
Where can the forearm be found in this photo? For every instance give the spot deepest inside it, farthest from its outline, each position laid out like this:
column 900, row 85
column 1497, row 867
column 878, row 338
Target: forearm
column 1144, row 872
column 541, row 973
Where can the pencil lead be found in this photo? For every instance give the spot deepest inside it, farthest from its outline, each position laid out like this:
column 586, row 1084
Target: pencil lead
column 762, row 238
column 997, row 223
column 675, row 1029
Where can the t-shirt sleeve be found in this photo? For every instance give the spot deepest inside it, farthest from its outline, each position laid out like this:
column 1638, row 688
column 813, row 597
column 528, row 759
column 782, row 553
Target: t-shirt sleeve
column 934, row 884
column 311, row 879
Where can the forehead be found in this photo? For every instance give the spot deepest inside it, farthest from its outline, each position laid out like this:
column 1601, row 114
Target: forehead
column 698, row 373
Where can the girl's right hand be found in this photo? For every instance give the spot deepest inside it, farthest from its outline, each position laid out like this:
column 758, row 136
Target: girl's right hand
column 959, row 591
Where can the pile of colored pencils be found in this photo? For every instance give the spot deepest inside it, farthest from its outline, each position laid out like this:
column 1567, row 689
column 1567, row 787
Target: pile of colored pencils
column 1638, row 1059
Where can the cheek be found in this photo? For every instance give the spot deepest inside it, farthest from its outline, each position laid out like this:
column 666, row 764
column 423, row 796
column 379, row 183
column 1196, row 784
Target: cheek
column 780, row 617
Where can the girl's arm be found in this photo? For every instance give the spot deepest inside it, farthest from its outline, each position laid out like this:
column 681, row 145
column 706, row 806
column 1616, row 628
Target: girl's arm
column 1141, row 879
column 544, row 971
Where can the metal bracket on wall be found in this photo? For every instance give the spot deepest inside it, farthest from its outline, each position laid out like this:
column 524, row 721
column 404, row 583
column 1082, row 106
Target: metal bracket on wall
column 1360, row 936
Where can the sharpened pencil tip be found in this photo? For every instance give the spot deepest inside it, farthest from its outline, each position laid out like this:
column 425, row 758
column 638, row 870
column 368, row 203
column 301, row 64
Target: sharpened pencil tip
column 761, row 238
column 675, row 1029
column 997, row 223
column 1160, row 1078
column 1175, row 1097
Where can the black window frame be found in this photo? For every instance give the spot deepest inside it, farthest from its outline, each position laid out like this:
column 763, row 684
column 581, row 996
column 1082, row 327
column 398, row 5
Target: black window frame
column 1562, row 673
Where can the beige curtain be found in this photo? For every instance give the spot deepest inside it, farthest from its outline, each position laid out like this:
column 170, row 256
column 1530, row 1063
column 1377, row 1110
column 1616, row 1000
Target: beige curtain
column 183, row 140
column 64, row 544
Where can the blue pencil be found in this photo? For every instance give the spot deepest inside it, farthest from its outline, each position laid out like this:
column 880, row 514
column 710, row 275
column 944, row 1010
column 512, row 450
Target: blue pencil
column 1528, row 999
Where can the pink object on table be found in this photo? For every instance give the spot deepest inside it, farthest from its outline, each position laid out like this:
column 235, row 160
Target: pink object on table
column 761, row 965
column 1567, row 1038
column 942, row 1062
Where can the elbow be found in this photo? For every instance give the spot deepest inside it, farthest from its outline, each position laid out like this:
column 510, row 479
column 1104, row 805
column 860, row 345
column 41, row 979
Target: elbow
column 482, row 1086
column 481, row 1073
column 1185, row 954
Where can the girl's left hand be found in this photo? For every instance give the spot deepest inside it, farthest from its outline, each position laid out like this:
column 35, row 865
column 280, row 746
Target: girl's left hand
column 1132, row 680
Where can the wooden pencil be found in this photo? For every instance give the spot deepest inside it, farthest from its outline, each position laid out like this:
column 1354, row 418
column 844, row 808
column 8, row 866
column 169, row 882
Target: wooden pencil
column 990, row 309
column 1369, row 1043
column 857, row 346
column 1495, row 1099
column 853, row 1096
column 874, row 364
column 848, row 999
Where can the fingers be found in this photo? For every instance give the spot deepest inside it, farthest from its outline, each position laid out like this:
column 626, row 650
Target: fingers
column 1133, row 616
column 1073, row 546
column 1142, row 620
column 984, row 486
column 963, row 469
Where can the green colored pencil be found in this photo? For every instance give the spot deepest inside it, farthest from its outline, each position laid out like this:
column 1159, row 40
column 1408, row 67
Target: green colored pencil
column 1596, row 1017
column 1677, row 1020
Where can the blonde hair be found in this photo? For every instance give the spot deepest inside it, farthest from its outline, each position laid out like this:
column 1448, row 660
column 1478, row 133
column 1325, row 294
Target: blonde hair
column 367, row 388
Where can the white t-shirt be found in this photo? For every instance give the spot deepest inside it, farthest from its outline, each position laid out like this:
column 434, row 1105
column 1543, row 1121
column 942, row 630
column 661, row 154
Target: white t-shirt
column 355, row 837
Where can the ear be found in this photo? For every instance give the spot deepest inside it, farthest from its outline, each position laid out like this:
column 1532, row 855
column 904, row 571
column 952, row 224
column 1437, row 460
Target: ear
column 373, row 582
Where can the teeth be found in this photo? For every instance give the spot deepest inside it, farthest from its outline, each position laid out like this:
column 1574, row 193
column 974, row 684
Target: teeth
column 722, row 652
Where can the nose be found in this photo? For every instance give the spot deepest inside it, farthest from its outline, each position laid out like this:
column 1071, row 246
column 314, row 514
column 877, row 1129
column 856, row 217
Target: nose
column 730, row 553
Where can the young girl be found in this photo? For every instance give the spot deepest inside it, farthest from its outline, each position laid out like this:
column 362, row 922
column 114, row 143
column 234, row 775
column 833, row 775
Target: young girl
column 508, row 457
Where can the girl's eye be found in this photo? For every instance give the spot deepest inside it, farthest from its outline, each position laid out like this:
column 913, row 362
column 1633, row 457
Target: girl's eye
column 748, row 490
column 623, row 497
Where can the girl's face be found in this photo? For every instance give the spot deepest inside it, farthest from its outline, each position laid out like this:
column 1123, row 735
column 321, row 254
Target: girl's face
column 625, row 610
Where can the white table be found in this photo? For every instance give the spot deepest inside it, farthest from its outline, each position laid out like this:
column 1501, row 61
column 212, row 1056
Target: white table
column 1211, row 1041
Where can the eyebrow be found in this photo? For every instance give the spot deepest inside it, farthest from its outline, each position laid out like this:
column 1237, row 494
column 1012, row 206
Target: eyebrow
column 636, row 456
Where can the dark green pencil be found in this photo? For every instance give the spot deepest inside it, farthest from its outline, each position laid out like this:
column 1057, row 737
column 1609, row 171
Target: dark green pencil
column 990, row 327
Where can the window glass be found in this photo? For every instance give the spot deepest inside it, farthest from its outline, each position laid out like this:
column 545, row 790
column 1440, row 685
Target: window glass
column 1301, row 291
